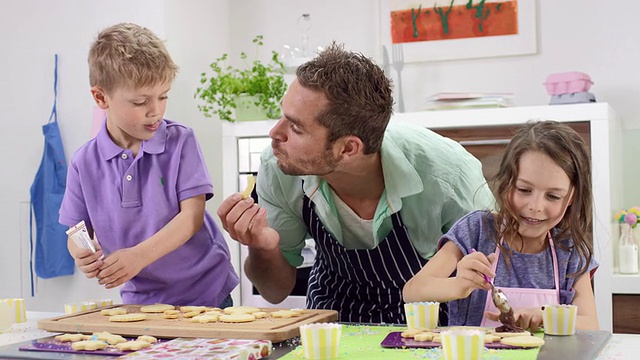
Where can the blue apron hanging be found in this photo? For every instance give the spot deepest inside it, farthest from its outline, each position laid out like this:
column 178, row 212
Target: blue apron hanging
column 52, row 257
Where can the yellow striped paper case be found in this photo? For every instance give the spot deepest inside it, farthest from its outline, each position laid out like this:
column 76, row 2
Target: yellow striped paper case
column 559, row 319
column 321, row 340
column 422, row 314
column 78, row 307
column 17, row 309
column 462, row 344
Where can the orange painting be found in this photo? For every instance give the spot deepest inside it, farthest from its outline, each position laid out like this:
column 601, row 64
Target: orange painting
column 446, row 21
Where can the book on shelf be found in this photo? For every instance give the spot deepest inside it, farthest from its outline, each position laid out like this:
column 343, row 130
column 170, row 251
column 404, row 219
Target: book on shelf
column 468, row 100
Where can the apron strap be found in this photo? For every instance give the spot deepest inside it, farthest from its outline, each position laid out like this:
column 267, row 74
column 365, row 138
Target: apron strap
column 54, row 116
column 54, row 112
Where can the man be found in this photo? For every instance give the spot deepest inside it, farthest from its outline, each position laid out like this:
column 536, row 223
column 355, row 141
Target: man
column 375, row 198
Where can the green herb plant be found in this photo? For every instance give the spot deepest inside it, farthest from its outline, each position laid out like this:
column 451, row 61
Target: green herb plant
column 219, row 91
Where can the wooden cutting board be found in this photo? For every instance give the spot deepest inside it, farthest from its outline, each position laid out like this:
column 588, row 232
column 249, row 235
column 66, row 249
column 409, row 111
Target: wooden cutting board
column 269, row 328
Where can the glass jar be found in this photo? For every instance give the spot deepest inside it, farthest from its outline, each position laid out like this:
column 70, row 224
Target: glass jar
column 627, row 250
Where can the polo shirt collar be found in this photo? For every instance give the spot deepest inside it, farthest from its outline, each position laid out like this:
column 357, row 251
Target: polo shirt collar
column 108, row 149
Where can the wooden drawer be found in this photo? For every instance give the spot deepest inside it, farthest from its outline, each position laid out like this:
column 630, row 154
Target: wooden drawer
column 487, row 143
column 626, row 317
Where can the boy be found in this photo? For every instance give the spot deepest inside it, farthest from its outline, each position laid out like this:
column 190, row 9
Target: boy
column 141, row 184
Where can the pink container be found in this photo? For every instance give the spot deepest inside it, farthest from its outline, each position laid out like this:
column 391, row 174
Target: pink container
column 567, row 83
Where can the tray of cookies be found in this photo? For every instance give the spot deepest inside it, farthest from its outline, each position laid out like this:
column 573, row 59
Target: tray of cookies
column 147, row 347
column 168, row 321
column 424, row 338
column 102, row 343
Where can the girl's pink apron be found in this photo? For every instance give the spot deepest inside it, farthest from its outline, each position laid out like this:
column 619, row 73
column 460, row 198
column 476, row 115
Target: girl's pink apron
column 524, row 297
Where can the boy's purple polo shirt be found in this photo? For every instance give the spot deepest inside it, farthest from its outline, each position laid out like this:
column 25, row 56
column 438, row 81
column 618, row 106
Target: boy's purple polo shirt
column 127, row 200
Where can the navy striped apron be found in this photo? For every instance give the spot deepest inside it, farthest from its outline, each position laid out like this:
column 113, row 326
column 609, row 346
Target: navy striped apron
column 364, row 286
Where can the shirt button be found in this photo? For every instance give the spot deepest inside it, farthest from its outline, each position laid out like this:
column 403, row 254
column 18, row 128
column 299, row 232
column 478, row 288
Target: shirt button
column 129, row 177
column 124, row 156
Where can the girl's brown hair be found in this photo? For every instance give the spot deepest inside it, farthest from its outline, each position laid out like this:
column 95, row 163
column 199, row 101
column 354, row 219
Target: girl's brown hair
column 568, row 150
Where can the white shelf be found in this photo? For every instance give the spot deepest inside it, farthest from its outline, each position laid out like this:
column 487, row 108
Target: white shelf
column 625, row 284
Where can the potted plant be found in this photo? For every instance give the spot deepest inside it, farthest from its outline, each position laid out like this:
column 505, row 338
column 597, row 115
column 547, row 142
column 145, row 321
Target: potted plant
column 230, row 88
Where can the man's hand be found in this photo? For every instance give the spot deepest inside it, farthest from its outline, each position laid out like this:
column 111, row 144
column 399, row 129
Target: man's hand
column 246, row 222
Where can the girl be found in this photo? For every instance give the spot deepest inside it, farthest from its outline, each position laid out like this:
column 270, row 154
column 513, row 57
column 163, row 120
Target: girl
column 538, row 244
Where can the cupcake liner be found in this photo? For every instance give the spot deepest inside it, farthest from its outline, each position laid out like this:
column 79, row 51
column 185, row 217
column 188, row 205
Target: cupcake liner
column 78, row 307
column 422, row 314
column 462, row 344
column 559, row 319
column 17, row 309
column 100, row 303
column 320, row 341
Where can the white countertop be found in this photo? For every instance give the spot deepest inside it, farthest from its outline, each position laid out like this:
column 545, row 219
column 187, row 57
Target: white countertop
column 621, row 346
column 28, row 330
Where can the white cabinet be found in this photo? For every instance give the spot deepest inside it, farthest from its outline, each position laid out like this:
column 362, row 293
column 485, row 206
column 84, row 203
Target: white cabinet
column 606, row 154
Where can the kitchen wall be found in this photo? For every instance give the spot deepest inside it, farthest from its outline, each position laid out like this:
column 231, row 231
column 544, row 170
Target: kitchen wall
column 592, row 36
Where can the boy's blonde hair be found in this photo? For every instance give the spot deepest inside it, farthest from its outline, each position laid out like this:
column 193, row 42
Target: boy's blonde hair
column 129, row 56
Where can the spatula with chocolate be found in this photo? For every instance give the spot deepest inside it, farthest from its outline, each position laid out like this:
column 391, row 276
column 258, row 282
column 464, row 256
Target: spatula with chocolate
column 506, row 312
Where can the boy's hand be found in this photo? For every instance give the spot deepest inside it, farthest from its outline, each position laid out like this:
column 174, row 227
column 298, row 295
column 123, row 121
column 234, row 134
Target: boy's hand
column 528, row 318
column 88, row 262
column 119, row 267
column 246, row 222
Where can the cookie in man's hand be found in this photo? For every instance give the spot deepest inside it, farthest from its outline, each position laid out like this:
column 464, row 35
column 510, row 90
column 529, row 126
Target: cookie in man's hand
column 251, row 183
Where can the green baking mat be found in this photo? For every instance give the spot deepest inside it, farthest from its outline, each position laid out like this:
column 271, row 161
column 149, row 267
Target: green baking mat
column 363, row 342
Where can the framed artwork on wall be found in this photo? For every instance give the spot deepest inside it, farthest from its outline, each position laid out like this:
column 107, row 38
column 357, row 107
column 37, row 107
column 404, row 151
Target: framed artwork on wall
column 437, row 30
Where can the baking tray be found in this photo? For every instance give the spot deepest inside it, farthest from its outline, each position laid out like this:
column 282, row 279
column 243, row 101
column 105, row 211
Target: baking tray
column 273, row 329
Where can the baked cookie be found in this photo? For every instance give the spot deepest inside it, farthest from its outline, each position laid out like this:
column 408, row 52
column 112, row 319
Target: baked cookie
column 171, row 314
column 191, row 314
column 511, row 334
column 523, row 341
column 90, row 345
column 298, row 311
column 241, row 310
column 237, row 318
column 133, row 345
column 219, row 312
column 148, row 338
column 251, row 183
column 409, row 333
column 189, row 308
column 204, row 318
column 260, row 314
column 72, row 337
column 283, row 314
column 156, row 308
column 424, row 336
column 113, row 311
column 110, row 338
column 488, row 338
column 128, row 317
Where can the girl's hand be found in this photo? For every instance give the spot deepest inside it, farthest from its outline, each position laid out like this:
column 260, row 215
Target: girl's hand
column 119, row 267
column 470, row 270
column 527, row 318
